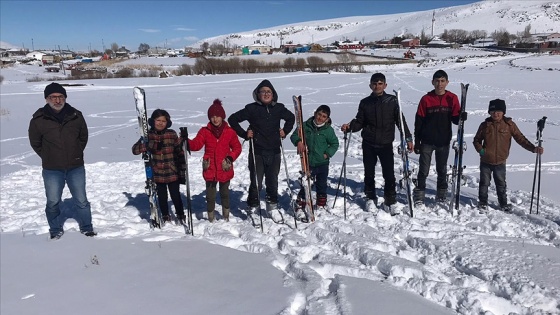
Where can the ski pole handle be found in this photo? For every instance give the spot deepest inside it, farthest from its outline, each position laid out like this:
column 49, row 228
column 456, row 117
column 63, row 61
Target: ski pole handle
column 540, row 123
column 184, row 133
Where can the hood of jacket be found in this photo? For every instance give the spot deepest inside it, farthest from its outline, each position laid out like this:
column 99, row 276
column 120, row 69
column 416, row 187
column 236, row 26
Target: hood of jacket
column 265, row 83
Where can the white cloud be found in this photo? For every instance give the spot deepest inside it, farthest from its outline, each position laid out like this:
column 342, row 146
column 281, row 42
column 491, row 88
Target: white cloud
column 149, row 30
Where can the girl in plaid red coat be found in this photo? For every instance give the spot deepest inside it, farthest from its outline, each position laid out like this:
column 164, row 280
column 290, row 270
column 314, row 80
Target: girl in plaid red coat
column 168, row 162
column 221, row 148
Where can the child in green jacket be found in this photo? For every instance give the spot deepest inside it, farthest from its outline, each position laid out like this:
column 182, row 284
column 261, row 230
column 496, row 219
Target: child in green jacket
column 322, row 144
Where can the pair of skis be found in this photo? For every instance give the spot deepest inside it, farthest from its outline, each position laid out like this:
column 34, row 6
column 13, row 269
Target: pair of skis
column 156, row 220
column 406, row 180
column 305, row 173
column 459, row 147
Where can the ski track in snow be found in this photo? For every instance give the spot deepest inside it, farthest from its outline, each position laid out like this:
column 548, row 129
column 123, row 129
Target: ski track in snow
column 440, row 257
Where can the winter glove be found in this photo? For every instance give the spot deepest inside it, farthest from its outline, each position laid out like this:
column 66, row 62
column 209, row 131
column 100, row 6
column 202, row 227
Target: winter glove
column 464, row 116
column 182, row 180
column 417, row 147
column 205, row 165
column 184, row 133
column 185, row 137
column 226, row 163
column 481, row 152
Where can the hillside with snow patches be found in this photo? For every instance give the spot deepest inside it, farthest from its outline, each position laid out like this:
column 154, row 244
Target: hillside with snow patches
column 488, row 15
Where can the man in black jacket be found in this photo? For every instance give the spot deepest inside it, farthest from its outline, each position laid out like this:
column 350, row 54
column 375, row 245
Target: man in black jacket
column 58, row 134
column 264, row 116
column 378, row 114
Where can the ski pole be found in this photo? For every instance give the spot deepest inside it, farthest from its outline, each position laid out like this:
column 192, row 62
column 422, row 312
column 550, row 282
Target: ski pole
column 343, row 170
column 256, row 178
column 288, row 181
column 187, row 152
column 540, row 127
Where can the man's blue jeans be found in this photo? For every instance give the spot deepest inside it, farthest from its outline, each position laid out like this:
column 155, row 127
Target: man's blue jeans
column 55, row 181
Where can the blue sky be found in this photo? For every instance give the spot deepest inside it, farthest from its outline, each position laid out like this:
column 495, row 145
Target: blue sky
column 81, row 25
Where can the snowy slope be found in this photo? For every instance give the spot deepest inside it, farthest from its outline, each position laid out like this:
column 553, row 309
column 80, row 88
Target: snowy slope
column 433, row 263
column 489, row 15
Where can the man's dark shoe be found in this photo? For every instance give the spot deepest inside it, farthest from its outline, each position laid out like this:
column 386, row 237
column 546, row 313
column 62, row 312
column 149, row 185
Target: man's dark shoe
column 57, row 235
column 89, row 233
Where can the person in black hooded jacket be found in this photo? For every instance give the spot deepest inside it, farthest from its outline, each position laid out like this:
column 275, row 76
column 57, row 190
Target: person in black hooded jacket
column 264, row 116
column 377, row 116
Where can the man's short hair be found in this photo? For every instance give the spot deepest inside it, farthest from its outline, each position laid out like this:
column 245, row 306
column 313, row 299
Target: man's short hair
column 440, row 74
column 376, row 77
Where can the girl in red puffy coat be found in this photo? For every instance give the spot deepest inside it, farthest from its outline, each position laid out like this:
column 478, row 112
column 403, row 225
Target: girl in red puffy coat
column 221, row 148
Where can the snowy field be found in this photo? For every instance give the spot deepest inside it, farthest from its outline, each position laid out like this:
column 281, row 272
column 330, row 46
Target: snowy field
column 434, row 263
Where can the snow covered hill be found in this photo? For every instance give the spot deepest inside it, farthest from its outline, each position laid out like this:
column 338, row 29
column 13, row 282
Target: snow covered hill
column 488, row 15
column 433, row 263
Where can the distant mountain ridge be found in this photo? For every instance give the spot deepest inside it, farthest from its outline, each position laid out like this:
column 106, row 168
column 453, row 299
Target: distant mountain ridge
column 488, row 15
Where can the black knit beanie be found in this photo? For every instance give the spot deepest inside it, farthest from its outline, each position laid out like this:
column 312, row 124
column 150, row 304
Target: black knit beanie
column 54, row 88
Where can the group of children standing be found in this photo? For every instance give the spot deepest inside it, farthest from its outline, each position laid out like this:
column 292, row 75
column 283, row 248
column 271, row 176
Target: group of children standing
column 378, row 115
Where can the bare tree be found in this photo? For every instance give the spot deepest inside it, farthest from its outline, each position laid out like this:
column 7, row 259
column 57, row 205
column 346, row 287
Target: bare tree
column 143, row 48
column 204, row 47
column 114, row 47
column 478, row 34
column 502, row 37
column 217, row 49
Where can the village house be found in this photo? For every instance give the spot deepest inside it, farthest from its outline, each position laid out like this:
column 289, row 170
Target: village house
column 261, row 48
column 410, row 42
column 346, row 45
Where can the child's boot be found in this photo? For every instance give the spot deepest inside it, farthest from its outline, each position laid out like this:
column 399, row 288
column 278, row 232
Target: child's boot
column 211, row 216
column 225, row 214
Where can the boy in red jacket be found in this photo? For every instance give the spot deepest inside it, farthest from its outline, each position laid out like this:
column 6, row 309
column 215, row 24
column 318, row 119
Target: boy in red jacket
column 221, row 148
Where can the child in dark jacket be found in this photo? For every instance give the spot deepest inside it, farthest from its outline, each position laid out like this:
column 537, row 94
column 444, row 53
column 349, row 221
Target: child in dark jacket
column 322, row 144
column 168, row 162
column 221, row 148
column 493, row 141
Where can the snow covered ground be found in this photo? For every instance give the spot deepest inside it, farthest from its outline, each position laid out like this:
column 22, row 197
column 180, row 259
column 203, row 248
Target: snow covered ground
column 433, row 263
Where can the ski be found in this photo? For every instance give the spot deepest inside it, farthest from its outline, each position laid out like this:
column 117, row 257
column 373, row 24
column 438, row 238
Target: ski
column 151, row 190
column 305, row 178
column 187, row 152
column 459, row 147
column 403, row 152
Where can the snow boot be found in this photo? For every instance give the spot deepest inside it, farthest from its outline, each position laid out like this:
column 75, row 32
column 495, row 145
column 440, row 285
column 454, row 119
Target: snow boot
column 57, row 235
column 321, row 202
column 211, row 216
column 166, row 218
column 441, row 195
column 390, row 198
column 482, row 208
column 89, row 233
column 418, row 196
column 181, row 218
column 273, row 212
column 225, row 214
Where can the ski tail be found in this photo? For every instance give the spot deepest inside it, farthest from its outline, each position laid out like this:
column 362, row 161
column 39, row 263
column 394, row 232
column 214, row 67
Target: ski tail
column 186, row 152
column 305, row 178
